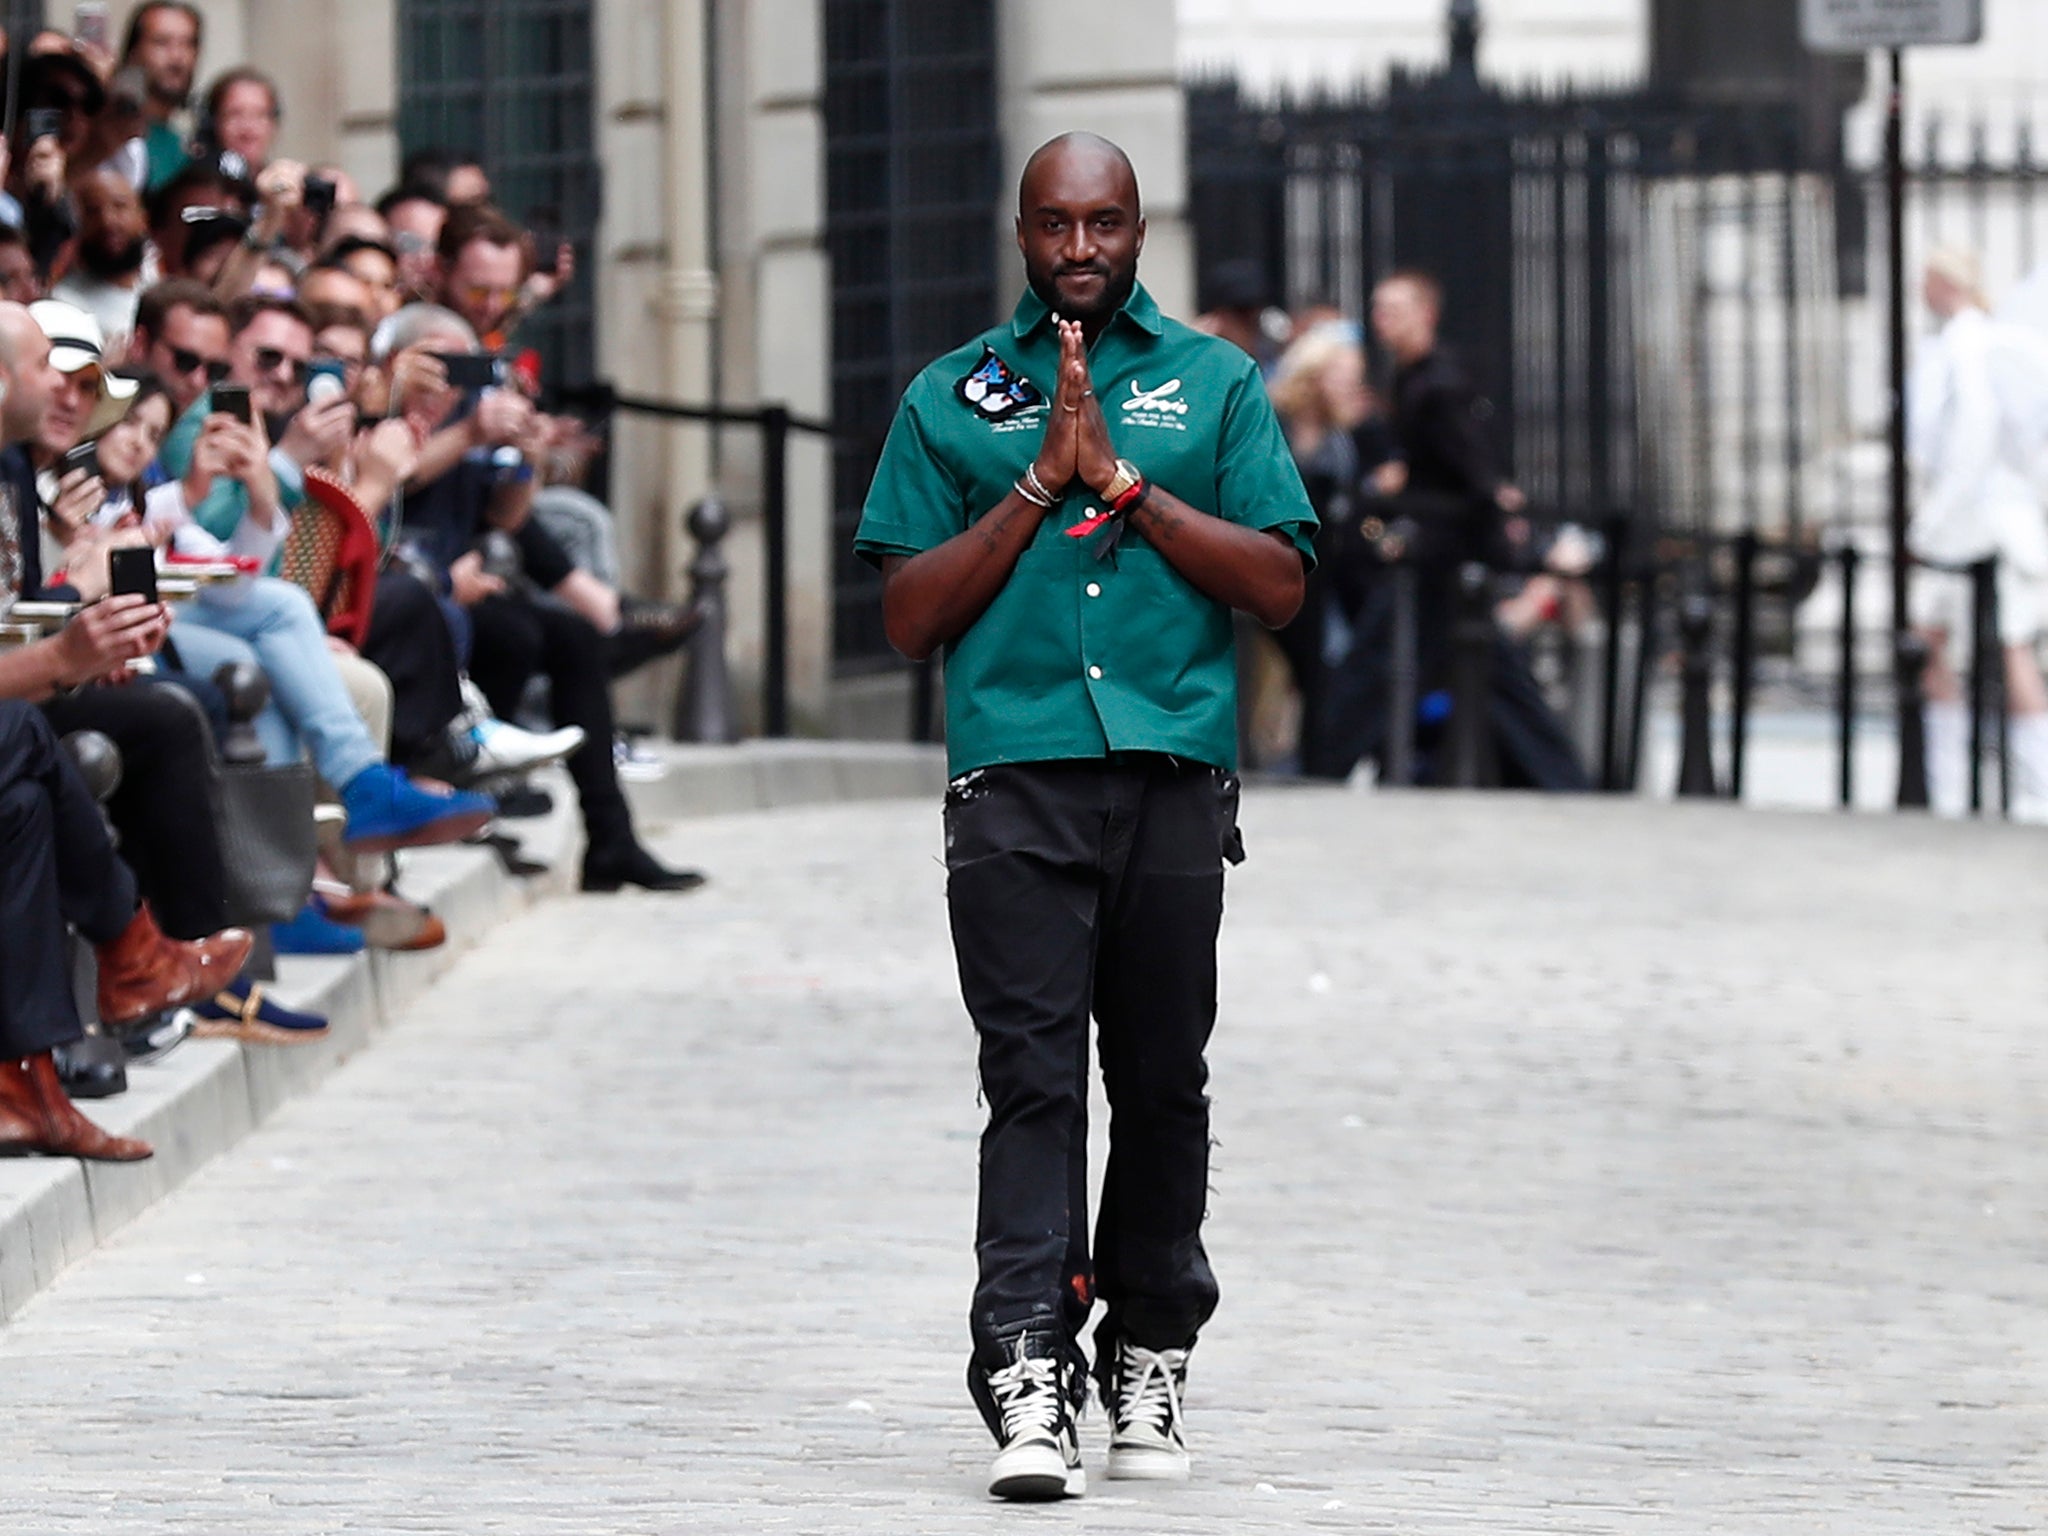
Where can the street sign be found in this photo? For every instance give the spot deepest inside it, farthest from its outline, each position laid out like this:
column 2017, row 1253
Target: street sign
column 1851, row 26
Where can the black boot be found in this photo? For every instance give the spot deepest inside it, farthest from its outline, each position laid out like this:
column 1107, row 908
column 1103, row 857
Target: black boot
column 608, row 866
column 647, row 630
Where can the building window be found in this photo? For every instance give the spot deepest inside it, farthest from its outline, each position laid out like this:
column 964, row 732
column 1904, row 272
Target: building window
column 911, row 173
column 512, row 82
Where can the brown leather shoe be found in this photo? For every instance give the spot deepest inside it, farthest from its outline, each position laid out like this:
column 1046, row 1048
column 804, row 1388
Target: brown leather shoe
column 143, row 972
column 37, row 1116
column 388, row 921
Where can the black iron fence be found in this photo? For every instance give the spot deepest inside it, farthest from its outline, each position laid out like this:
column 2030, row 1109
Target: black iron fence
column 775, row 422
column 1687, row 615
column 1677, row 311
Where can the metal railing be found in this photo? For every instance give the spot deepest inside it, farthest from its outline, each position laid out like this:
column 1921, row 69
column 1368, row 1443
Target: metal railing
column 775, row 422
column 1693, row 605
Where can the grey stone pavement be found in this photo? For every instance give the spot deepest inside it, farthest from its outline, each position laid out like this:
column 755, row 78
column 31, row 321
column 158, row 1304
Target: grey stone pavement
column 1582, row 1167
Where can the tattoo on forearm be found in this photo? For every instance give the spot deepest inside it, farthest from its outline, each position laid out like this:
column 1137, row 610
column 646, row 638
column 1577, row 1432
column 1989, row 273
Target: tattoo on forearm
column 991, row 527
column 1157, row 524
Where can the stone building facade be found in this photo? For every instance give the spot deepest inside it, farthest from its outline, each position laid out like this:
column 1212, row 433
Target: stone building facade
column 711, row 278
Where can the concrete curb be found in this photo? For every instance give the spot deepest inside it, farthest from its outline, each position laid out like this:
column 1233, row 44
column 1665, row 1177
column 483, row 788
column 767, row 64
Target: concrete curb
column 209, row 1094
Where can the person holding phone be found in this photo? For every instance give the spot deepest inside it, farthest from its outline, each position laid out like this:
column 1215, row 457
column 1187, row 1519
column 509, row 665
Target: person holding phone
column 457, row 494
column 273, row 625
column 243, row 477
column 81, row 680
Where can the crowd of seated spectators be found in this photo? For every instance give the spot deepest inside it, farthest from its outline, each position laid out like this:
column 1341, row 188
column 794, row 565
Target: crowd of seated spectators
column 216, row 353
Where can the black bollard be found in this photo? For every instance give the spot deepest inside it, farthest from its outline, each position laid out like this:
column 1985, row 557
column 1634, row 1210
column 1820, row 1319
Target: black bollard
column 1696, row 717
column 1909, row 663
column 1468, row 747
column 1613, row 588
column 1985, row 661
column 1845, row 683
column 1747, row 547
column 247, row 690
column 1402, row 675
column 704, row 702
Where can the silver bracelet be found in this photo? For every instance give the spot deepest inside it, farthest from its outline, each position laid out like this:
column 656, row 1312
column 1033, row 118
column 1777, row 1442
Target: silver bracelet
column 1027, row 486
column 1046, row 497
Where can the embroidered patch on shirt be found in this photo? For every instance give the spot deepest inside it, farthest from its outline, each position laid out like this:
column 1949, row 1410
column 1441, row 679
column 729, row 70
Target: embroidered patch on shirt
column 995, row 389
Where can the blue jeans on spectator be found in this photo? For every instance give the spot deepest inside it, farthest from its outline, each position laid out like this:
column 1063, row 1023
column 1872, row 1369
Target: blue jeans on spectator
column 274, row 624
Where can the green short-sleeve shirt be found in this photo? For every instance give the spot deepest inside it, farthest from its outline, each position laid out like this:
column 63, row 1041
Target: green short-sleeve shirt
column 1078, row 656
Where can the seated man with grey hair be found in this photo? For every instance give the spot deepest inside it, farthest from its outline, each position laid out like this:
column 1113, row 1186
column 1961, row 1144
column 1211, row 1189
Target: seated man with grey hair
column 566, row 545
column 466, row 525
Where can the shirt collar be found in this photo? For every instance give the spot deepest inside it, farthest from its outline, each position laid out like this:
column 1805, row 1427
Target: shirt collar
column 1140, row 309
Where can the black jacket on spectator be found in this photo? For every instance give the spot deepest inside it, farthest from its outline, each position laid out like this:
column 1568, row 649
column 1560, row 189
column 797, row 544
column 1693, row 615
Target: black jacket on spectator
column 1444, row 428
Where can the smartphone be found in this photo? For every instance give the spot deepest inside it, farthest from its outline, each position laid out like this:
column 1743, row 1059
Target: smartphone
column 472, row 370
column 233, row 400
column 89, row 23
column 85, row 456
column 133, row 570
column 318, row 193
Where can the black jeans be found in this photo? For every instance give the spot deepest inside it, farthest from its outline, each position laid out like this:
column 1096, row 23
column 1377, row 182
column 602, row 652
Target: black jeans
column 57, row 865
column 168, row 837
column 517, row 637
column 410, row 643
column 1079, row 887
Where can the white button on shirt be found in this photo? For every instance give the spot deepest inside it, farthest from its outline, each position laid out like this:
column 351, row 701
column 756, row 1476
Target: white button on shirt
column 1096, row 673
column 1095, row 589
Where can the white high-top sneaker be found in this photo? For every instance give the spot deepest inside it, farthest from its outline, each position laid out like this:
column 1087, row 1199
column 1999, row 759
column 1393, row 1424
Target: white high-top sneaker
column 1030, row 1407
column 1143, row 1395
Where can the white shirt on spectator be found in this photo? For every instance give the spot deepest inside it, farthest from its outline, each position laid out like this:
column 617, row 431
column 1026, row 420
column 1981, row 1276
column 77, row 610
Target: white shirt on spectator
column 112, row 305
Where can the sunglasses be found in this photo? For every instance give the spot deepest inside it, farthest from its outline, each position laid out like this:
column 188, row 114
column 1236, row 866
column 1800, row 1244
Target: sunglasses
column 270, row 360
column 185, row 362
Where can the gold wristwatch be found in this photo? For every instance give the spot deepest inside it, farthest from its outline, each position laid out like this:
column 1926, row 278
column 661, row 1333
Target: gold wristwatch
column 1122, row 482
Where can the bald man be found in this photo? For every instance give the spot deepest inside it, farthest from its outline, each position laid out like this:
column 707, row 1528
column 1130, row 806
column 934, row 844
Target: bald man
column 1071, row 506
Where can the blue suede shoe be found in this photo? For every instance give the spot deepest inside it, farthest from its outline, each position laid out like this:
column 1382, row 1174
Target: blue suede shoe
column 386, row 810
column 313, row 932
column 244, row 1011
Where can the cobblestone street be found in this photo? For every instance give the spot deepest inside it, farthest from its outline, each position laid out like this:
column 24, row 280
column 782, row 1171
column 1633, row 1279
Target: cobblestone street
column 1583, row 1167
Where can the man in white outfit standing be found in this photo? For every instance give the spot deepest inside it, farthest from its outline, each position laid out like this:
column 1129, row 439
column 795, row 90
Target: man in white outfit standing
column 1978, row 459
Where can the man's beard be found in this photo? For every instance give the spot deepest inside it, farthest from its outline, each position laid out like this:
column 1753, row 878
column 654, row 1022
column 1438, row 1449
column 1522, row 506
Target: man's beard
column 1116, row 288
column 122, row 261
